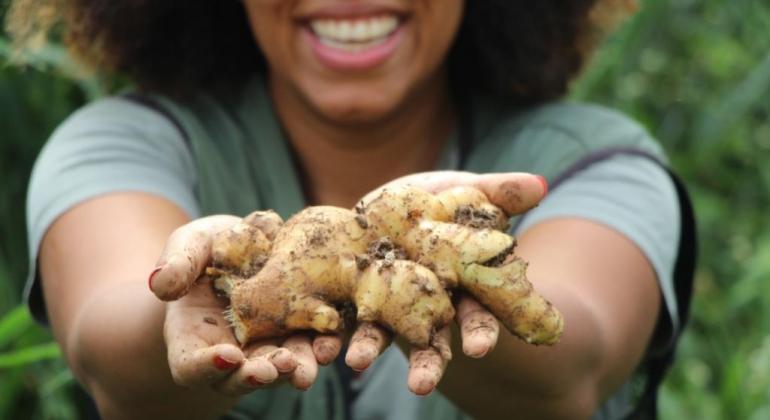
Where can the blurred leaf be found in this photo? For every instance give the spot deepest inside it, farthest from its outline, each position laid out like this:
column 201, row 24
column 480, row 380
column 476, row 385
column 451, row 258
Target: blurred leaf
column 13, row 324
column 29, row 355
column 55, row 383
column 11, row 386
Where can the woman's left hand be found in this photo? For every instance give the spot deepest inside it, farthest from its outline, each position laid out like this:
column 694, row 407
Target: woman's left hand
column 515, row 193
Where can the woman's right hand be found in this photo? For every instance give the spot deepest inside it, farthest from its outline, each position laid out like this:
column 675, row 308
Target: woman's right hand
column 202, row 350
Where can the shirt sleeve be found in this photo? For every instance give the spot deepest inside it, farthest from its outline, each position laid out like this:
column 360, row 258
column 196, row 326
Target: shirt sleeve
column 634, row 196
column 113, row 145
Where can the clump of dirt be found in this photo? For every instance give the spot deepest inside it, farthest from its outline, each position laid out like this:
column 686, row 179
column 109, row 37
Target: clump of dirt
column 476, row 218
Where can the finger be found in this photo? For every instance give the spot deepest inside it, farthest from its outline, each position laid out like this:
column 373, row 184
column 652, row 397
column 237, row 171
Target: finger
column 284, row 361
column 515, row 193
column 282, row 358
column 307, row 368
column 479, row 329
column 436, row 181
column 196, row 367
column 368, row 341
column 186, row 255
column 426, row 366
column 255, row 373
column 326, row 348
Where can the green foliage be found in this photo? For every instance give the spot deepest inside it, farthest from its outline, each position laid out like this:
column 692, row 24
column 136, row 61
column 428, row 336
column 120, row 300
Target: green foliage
column 695, row 72
column 34, row 380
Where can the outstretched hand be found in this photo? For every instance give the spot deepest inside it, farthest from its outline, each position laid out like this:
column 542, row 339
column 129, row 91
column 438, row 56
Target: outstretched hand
column 514, row 193
column 202, row 350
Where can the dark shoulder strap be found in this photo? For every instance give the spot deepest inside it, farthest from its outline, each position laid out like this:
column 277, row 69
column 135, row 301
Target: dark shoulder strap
column 684, row 275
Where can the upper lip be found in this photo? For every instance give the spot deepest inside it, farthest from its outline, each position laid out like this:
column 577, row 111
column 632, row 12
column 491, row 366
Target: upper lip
column 342, row 10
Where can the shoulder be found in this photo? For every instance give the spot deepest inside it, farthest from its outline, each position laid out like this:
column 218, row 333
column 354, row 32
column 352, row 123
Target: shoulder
column 589, row 126
column 109, row 142
column 109, row 145
column 549, row 138
column 108, row 124
column 118, row 112
column 577, row 118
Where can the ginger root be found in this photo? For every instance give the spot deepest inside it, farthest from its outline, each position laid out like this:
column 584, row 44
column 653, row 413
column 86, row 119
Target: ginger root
column 397, row 259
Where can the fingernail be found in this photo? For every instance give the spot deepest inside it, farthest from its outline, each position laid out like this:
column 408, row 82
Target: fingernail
column 427, row 394
column 478, row 354
column 544, row 183
column 253, row 381
column 222, row 364
column 303, row 387
column 152, row 275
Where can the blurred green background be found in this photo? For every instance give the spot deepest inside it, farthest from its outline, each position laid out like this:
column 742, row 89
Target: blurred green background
column 695, row 72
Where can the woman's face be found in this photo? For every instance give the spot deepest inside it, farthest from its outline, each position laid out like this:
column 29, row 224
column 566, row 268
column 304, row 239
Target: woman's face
column 354, row 60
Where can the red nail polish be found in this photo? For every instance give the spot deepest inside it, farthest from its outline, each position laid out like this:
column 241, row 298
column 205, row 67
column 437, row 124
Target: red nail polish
column 544, row 183
column 223, row 364
column 154, row 272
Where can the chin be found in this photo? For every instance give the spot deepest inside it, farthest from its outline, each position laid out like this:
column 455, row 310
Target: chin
column 355, row 108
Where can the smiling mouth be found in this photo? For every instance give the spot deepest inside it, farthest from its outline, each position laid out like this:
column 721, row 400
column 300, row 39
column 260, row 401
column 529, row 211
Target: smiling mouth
column 354, row 35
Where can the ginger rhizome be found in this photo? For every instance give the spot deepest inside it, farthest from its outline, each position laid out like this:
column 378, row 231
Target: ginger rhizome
column 397, row 258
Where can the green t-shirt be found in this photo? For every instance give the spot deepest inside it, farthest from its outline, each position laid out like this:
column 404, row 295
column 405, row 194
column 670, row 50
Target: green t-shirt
column 118, row 144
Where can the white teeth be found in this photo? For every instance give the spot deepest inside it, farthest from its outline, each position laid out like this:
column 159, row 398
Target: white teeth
column 352, row 46
column 359, row 31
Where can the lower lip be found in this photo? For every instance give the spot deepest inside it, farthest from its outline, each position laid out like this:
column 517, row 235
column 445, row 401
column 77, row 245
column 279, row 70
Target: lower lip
column 341, row 60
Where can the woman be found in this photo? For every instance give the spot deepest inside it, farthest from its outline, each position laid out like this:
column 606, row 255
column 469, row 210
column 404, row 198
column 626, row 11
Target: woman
column 280, row 104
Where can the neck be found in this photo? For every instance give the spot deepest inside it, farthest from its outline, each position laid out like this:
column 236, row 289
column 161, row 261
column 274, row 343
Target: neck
column 342, row 162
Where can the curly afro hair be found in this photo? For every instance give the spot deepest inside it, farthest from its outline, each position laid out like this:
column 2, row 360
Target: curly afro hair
column 522, row 50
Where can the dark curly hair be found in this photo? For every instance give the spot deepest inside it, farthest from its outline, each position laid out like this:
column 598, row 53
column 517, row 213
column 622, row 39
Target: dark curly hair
column 527, row 51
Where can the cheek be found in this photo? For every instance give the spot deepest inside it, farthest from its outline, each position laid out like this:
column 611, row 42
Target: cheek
column 271, row 26
column 439, row 23
column 436, row 25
